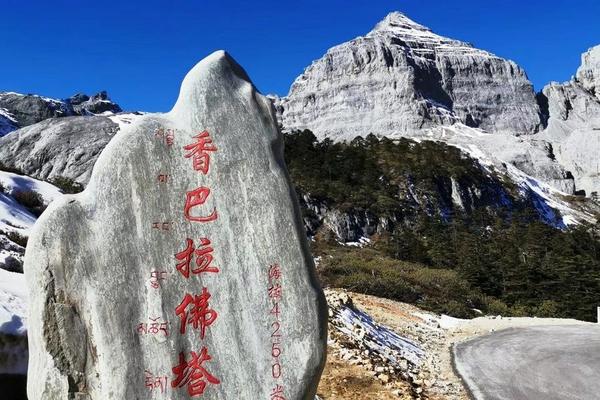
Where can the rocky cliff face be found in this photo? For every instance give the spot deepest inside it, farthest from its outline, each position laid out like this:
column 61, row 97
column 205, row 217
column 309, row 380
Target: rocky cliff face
column 19, row 110
column 589, row 72
column 574, row 122
column 61, row 147
column 401, row 78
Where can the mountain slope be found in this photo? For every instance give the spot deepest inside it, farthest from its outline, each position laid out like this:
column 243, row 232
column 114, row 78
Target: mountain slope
column 61, row 147
column 402, row 78
column 574, row 122
column 20, row 110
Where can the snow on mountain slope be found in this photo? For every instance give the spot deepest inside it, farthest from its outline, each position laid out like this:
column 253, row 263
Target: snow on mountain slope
column 13, row 303
column 15, row 219
column 8, row 123
column 535, row 173
column 13, row 323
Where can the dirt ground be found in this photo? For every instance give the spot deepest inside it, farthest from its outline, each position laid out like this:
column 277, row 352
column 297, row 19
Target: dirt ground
column 342, row 381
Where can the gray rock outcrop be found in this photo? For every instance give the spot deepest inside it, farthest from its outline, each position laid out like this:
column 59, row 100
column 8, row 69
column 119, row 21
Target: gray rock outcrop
column 30, row 109
column 21, row 110
column 104, row 265
column 98, row 104
column 574, row 123
column 61, row 147
column 588, row 73
column 400, row 79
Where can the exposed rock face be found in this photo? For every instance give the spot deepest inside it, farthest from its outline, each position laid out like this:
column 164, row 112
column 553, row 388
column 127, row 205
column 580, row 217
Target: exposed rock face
column 66, row 147
column 90, row 261
column 402, row 78
column 30, row 109
column 574, row 123
column 7, row 122
column 589, row 72
column 97, row 104
column 19, row 110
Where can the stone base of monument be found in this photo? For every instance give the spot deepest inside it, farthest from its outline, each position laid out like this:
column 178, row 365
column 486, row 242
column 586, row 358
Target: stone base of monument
column 183, row 270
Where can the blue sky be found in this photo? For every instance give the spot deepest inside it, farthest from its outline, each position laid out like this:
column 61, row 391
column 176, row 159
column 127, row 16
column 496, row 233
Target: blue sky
column 140, row 50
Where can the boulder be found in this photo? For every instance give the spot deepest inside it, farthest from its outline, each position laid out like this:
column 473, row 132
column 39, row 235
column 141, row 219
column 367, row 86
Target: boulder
column 182, row 271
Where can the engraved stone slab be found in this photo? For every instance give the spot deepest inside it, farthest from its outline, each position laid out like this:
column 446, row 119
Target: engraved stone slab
column 182, row 271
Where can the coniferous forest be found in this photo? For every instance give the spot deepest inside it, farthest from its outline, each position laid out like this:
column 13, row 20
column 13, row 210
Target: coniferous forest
column 494, row 254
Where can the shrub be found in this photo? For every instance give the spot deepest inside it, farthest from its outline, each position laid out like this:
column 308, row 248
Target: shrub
column 67, row 185
column 497, row 307
column 548, row 309
column 2, row 188
column 31, row 200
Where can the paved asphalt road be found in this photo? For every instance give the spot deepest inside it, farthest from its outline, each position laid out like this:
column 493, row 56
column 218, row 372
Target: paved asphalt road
column 533, row 363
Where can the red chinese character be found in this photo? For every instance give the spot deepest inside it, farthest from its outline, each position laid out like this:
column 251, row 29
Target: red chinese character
column 203, row 255
column 275, row 291
column 198, row 197
column 274, row 272
column 277, row 393
column 198, row 151
column 198, row 315
column 193, row 374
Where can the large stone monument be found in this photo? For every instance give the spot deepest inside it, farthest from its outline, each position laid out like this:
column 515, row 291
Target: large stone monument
column 182, row 271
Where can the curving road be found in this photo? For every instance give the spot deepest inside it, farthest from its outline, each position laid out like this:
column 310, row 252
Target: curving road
column 533, row 363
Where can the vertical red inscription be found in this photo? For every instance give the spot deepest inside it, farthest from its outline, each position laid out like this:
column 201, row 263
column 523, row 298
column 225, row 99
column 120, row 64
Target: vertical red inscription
column 275, row 291
column 195, row 310
column 199, row 314
column 195, row 198
column 203, row 255
column 193, row 374
column 199, row 151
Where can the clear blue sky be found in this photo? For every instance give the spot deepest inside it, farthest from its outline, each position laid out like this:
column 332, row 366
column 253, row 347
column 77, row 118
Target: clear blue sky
column 140, row 50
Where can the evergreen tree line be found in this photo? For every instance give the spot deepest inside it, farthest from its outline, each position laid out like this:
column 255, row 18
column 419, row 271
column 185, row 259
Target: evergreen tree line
column 500, row 247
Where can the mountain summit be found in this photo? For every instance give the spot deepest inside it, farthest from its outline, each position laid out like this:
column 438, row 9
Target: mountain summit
column 401, row 78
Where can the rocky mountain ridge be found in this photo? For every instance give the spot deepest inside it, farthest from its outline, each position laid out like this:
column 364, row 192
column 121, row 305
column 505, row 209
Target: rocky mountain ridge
column 20, row 110
column 574, row 122
column 403, row 80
